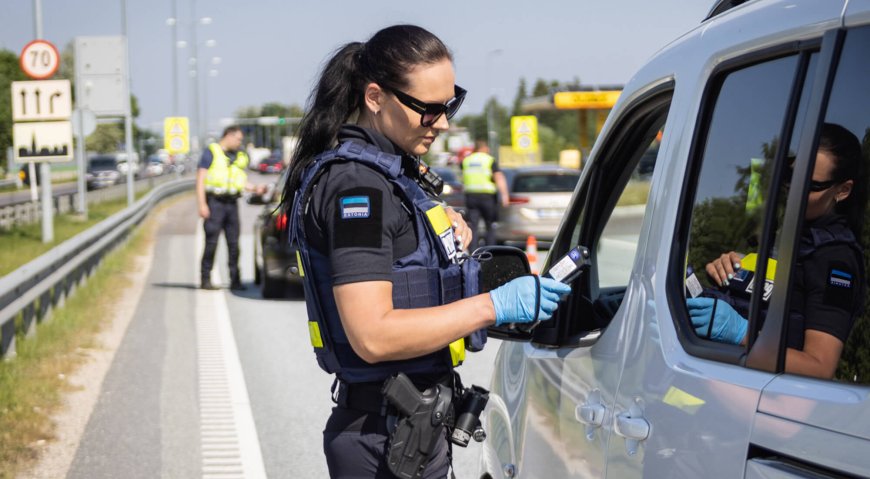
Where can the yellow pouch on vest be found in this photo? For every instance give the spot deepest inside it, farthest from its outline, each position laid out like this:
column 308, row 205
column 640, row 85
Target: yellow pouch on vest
column 457, row 352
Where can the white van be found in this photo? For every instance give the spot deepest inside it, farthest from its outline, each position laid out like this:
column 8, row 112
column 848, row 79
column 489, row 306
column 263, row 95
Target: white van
column 621, row 383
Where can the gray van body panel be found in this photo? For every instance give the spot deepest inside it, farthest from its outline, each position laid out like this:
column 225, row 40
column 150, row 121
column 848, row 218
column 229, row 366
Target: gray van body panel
column 703, row 415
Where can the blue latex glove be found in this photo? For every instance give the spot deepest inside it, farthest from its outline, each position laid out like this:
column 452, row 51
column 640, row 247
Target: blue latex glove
column 515, row 301
column 728, row 325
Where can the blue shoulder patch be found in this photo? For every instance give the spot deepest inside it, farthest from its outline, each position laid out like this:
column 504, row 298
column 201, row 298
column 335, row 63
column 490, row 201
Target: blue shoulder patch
column 355, row 207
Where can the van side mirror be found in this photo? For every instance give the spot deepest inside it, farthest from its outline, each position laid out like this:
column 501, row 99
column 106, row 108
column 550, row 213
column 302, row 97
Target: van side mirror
column 498, row 265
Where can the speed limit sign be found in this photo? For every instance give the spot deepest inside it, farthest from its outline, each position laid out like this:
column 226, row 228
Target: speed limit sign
column 39, row 59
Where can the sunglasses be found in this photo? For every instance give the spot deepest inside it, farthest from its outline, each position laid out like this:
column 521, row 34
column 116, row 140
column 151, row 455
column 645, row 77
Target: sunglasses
column 431, row 112
column 815, row 186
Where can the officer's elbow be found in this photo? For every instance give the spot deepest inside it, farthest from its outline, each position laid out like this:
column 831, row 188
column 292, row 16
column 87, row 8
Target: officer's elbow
column 370, row 351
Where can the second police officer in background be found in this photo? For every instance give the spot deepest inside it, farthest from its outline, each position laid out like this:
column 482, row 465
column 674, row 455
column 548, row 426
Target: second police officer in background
column 484, row 184
column 383, row 288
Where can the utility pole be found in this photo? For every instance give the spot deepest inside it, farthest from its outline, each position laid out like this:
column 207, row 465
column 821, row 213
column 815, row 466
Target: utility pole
column 128, row 117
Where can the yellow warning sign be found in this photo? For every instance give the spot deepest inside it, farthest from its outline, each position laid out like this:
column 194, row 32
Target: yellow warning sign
column 176, row 135
column 524, row 134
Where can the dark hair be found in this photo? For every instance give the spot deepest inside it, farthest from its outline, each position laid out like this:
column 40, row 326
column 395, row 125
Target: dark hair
column 385, row 59
column 845, row 149
column 230, row 130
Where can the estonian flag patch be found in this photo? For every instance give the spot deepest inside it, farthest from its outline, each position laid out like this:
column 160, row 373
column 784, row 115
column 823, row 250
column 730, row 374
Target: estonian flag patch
column 355, row 207
column 840, row 279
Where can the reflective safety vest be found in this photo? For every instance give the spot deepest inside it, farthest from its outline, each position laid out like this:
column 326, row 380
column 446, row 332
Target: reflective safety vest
column 425, row 278
column 225, row 177
column 477, row 173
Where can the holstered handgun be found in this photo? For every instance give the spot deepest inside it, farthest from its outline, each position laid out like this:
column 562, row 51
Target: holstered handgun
column 420, row 425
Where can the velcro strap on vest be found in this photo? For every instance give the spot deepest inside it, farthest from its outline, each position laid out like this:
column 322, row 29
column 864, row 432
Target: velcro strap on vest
column 426, row 287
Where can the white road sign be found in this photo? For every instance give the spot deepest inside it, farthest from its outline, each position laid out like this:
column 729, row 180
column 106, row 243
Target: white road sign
column 42, row 141
column 39, row 59
column 41, row 100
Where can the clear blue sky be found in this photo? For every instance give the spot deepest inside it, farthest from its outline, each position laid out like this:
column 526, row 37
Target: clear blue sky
column 272, row 50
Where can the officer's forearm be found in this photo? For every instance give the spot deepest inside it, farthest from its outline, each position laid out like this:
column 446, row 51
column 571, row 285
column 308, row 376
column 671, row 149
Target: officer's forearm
column 200, row 187
column 377, row 332
column 819, row 357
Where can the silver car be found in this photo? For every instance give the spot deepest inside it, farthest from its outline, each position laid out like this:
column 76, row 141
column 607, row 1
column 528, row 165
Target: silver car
column 539, row 196
column 619, row 383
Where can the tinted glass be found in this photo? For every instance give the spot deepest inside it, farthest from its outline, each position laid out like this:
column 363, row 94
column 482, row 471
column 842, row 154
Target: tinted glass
column 742, row 139
column 103, row 163
column 545, row 182
column 849, row 107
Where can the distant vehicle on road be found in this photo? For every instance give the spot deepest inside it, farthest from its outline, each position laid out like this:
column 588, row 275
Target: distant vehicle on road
column 102, row 171
column 453, row 193
column 272, row 164
column 155, row 166
column 275, row 267
column 538, row 198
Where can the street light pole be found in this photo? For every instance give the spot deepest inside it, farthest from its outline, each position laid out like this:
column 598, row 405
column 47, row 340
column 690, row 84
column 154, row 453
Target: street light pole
column 491, row 133
column 128, row 117
column 174, row 58
column 194, row 74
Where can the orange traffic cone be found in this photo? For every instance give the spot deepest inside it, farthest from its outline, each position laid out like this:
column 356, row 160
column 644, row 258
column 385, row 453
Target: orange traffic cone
column 532, row 253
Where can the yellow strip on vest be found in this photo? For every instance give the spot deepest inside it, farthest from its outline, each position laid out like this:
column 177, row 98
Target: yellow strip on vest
column 438, row 218
column 749, row 263
column 314, row 332
column 299, row 263
column 457, row 352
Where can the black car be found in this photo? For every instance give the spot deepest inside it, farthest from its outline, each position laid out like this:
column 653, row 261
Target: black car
column 275, row 265
column 102, row 171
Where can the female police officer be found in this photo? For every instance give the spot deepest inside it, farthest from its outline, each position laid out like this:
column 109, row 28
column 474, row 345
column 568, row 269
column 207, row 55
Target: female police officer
column 383, row 286
column 828, row 292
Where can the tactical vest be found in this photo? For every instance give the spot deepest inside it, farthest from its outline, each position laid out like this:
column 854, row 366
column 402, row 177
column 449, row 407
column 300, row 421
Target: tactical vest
column 225, row 177
column 425, row 278
column 477, row 173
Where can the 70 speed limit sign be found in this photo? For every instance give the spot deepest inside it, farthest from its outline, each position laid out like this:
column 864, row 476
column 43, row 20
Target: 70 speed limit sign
column 39, row 59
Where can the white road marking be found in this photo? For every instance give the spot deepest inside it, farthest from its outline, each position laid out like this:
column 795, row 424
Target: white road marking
column 230, row 445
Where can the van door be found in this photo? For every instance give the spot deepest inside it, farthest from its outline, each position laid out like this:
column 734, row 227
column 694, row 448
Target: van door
column 823, row 425
column 686, row 405
column 607, row 219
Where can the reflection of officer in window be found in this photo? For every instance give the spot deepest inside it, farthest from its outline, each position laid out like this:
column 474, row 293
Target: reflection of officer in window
column 383, row 280
column 483, row 182
column 828, row 289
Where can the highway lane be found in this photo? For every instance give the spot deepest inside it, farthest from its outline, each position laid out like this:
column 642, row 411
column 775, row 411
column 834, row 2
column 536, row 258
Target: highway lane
column 164, row 409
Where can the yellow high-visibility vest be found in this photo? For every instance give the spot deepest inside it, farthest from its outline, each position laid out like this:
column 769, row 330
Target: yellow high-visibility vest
column 477, row 173
column 224, row 177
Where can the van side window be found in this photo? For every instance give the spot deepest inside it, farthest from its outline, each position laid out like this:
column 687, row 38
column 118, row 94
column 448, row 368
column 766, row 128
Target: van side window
column 610, row 221
column 848, row 120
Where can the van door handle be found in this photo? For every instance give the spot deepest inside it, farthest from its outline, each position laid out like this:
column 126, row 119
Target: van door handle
column 591, row 413
column 633, row 427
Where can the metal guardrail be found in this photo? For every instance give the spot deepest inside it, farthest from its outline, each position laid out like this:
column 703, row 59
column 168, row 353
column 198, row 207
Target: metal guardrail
column 27, row 211
column 30, row 292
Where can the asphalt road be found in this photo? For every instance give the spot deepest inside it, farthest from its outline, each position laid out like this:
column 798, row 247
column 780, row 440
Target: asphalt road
column 217, row 383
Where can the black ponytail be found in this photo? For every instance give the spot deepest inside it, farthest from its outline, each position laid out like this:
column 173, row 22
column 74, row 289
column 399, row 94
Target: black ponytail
column 385, row 59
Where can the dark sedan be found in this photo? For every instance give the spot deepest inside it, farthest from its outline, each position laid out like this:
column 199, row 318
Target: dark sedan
column 272, row 164
column 275, row 265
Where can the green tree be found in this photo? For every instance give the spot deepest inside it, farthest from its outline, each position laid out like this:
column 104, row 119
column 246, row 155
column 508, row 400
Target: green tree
column 9, row 72
column 107, row 138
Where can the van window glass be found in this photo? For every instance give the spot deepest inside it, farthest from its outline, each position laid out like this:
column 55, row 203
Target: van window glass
column 618, row 243
column 840, row 306
column 727, row 213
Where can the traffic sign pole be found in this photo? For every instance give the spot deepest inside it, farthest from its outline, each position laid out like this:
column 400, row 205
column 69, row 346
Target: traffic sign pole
column 82, row 166
column 47, row 207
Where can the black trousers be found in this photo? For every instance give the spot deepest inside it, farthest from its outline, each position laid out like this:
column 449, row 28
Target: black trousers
column 355, row 445
column 481, row 206
column 224, row 216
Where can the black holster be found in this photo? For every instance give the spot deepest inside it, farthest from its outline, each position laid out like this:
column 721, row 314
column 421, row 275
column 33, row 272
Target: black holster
column 420, row 425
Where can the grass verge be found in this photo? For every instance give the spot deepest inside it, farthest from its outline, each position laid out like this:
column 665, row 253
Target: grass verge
column 33, row 383
column 22, row 244
column 635, row 193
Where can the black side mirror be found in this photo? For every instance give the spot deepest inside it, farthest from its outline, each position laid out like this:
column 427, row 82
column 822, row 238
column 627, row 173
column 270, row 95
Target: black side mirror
column 498, row 265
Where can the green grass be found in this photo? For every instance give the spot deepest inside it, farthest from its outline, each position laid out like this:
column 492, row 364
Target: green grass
column 22, row 244
column 33, row 383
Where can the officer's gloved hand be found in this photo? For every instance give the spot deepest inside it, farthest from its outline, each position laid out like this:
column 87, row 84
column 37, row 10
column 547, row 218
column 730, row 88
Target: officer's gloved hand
column 728, row 325
column 515, row 301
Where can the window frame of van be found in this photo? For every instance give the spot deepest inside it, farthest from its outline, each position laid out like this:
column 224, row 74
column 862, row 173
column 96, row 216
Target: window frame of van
column 590, row 210
column 763, row 352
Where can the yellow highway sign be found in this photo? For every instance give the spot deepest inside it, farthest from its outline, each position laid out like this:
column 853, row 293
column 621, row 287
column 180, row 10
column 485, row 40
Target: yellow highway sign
column 586, row 100
column 176, row 135
column 524, row 134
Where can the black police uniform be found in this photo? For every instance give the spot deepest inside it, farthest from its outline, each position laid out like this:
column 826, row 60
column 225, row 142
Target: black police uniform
column 356, row 434
column 828, row 293
column 223, row 216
